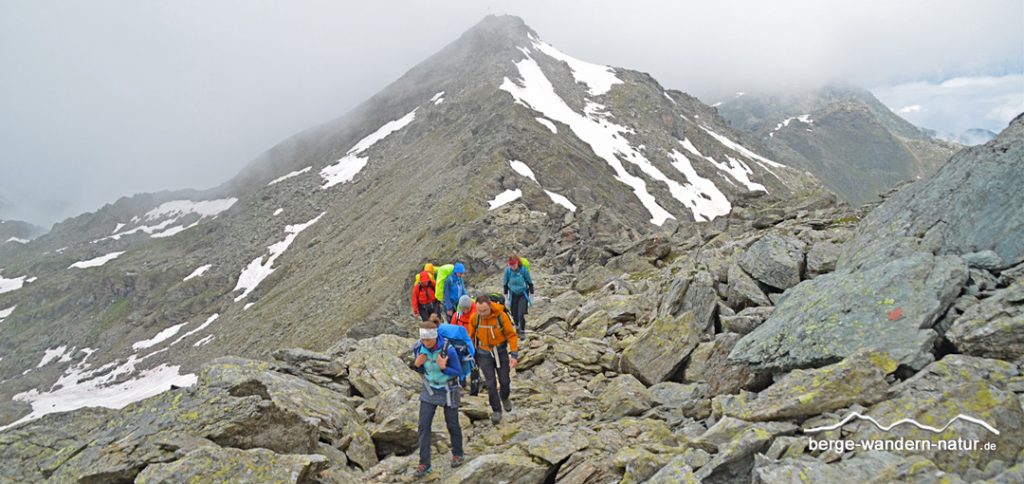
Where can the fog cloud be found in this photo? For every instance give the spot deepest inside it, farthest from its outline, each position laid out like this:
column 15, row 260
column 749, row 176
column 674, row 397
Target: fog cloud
column 104, row 99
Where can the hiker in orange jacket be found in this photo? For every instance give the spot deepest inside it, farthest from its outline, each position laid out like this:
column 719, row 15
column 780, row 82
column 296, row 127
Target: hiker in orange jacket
column 497, row 351
column 466, row 309
column 423, row 301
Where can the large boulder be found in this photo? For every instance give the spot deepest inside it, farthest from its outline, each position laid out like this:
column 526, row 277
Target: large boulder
column 226, row 465
column 775, row 260
column 858, row 379
column 971, row 204
column 661, row 348
column 993, row 328
column 862, row 467
column 954, row 395
column 701, row 299
column 742, row 291
column 376, row 365
column 833, row 316
column 623, row 396
column 709, row 364
column 506, row 467
column 554, row 447
column 737, row 443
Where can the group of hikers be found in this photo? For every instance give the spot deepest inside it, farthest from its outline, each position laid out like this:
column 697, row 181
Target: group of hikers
column 462, row 340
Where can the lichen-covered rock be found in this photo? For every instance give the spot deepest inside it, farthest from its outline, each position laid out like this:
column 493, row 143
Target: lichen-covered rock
column 831, row 317
column 376, row 365
column 622, row 396
column 822, row 257
column 775, row 260
column 971, row 204
column 661, row 347
column 993, row 328
column 862, row 467
column 742, row 291
column 701, row 299
column 956, row 385
column 746, row 320
column 858, row 379
column 490, row 468
column 226, row 465
column 595, row 326
column 708, row 364
column 737, row 442
column 555, row 447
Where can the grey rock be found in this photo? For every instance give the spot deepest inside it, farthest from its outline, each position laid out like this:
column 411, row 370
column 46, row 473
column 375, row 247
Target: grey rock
column 623, row 396
column 831, row 317
column 986, row 259
column 973, row 203
column 954, row 385
column 860, row 468
column 225, row 465
column 737, row 442
column 993, row 328
column 775, row 260
column 746, row 321
column 708, row 364
column 822, row 258
column 661, row 348
column 701, row 299
column 555, row 447
column 743, row 292
column 490, row 468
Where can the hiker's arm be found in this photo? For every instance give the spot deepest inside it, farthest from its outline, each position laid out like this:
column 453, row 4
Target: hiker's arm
column 510, row 331
column 529, row 281
column 454, row 366
column 504, row 280
column 415, row 296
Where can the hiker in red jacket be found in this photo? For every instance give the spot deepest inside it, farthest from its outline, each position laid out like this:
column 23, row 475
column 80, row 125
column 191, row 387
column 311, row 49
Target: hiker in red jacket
column 423, row 301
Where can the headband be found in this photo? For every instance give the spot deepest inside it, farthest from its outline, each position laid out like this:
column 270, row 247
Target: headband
column 428, row 333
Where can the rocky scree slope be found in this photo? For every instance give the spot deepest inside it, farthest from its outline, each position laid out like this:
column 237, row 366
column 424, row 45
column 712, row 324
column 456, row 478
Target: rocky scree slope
column 842, row 134
column 319, row 237
column 676, row 358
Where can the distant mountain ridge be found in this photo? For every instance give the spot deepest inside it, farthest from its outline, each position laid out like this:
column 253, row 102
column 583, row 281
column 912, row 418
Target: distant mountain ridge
column 842, row 134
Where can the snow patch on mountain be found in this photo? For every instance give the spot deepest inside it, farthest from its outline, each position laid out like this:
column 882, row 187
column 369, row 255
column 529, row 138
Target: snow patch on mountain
column 604, row 137
column 81, row 387
column 171, row 212
column 524, row 170
column 258, row 270
column 8, row 285
column 51, row 354
column 736, row 169
column 732, row 145
column 159, row 338
column 17, row 240
column 706, row 201
column 346, row 168
column 670, row 98
column 803, row 118
column 198, row 272
column 96, row 262
column 598, row 78
column 199, row 328
column 505, row 197
column 4, row 313
column 290, row 175
column 547, row 123
column 205, row 339
column 438, row 98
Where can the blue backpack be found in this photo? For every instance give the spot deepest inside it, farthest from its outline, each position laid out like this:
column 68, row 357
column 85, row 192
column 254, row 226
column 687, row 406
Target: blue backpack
column 458, row 338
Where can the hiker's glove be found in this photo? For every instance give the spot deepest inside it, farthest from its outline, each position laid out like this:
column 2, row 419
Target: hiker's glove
column 531, row 288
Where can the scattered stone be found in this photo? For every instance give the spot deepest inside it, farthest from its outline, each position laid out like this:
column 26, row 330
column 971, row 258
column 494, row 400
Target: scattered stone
column 742, row 291
column 661, row 347
column 775, row 260
column 623, row 396
column 226, row 465
column 992, row 328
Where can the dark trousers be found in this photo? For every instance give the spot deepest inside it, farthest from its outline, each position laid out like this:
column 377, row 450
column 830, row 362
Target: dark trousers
column 427, row 309
column 495, row 372
column 519, row 306
column 451, row 419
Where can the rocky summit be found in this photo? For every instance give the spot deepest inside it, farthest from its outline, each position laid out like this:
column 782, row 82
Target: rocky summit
column 702, row 313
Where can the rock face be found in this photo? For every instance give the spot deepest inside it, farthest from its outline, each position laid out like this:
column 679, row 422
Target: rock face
column 993, row 328
column 623, row 396
column 971, row 204
column 956, row 385
column 497, row 468
column 661, row 347
column 218, row 465
column 775, row 260
column 833, row 316
column 858, row 379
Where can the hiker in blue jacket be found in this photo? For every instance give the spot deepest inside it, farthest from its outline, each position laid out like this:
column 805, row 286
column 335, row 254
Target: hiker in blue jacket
column 438, row 361
column 454, row 288
column 518, row 284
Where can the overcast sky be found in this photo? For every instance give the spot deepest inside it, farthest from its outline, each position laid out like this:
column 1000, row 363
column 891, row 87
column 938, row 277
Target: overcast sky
column 108, row 98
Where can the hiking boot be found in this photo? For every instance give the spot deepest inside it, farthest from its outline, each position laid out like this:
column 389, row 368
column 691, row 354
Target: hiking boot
column 507, row 405
column 457, row 460
column 496, row 418
column 421, row 470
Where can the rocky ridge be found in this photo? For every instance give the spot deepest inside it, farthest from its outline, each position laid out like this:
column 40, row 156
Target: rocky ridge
column 645, row 364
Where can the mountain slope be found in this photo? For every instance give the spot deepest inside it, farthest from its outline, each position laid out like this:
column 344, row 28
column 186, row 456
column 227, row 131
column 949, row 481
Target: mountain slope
column 844, row 135
column 318, row 237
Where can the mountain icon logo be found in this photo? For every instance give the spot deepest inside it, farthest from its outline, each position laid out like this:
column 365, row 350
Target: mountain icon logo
column 909, row 421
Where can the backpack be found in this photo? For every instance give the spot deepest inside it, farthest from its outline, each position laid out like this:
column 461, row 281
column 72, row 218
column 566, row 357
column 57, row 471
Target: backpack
column 523, row 261
column 442, row 273
column 460, row 341
column 498, row 298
